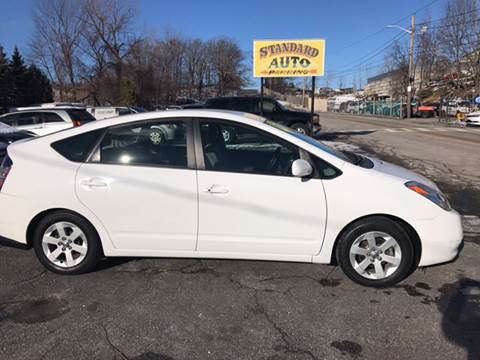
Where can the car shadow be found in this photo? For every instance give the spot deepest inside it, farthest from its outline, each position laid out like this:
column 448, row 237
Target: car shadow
column 13, row 244
column 459, row 303
column 334, row 135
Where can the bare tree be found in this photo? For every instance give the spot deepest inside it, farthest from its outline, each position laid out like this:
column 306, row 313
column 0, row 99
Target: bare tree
column 55, row 43
column 396, row 62
column 108, row 35
column 453, row 39
column 227, row 65
column 426, row 58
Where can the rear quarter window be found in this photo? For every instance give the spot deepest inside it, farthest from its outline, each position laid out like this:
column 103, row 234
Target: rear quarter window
column 80, row 115
column 78, row 147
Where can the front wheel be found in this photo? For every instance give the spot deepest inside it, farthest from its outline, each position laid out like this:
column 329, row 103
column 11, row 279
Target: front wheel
column 301, row 128
column 375, row 252
column 66, row 243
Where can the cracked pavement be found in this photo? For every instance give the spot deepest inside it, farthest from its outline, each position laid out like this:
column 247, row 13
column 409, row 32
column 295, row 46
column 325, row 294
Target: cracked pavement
column 229, row 309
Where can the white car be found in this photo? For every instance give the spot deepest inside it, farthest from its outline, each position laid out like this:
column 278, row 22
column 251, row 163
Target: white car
column 43, row 120
column 473, row 118
column 111, row 188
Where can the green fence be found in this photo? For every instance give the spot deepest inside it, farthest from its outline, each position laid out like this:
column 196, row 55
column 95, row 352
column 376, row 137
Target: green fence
column 382, row 108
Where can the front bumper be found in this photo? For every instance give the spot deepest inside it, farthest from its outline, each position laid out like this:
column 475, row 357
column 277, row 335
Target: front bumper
column 441, row 238
column 316, row 128
column 473, row 121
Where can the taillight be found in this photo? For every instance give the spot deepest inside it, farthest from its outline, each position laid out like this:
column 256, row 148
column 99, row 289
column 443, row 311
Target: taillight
column 4, row 170
column 76, row 122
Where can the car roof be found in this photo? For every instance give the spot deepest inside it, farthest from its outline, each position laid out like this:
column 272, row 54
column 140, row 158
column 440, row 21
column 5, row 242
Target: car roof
column 39, row 110
column 240, row 97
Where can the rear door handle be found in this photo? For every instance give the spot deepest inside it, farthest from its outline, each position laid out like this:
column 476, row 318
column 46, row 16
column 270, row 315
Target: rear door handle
column 94, row 183
column 216, row 189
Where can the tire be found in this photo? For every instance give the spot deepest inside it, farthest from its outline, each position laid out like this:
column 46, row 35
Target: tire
column 301, row 128
column 354, row 247
column 80, row 240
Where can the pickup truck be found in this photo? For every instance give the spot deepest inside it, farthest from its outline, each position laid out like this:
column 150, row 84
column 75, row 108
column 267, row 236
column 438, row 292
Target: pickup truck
column 301, row 121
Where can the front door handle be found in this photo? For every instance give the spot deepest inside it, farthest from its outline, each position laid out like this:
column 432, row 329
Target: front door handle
column 216, row 189
column 94, row 183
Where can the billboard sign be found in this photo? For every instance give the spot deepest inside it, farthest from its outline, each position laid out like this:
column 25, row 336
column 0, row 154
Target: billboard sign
column 288, row 58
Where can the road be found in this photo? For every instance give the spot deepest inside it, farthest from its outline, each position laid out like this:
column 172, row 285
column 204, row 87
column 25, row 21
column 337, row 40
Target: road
column 220, row 309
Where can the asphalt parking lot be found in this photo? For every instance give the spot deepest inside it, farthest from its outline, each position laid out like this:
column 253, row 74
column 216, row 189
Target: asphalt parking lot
column 221, row 309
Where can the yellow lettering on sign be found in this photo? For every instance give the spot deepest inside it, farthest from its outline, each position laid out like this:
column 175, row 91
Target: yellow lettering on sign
column 288, row 58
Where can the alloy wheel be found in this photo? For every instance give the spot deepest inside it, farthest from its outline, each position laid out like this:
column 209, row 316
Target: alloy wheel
column 375, row 255
column 64, row 244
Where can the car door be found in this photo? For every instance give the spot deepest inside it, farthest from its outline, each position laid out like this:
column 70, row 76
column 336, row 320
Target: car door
column 29, row 121
column 249, row 203
column 142, row 186
column 52, row 122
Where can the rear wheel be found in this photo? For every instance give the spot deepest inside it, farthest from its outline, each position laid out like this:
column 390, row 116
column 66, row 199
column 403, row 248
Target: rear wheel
column 375, row 252
column 66, row 243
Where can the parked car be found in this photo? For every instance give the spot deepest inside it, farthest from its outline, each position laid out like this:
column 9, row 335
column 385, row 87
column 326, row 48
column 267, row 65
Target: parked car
column 105, row 112
column 9, row 135
column 454, row 107
column 301, row 121
column 425, row 110
column 353, row 107
column 109, row 188
column 473, row 119
column 46, row 119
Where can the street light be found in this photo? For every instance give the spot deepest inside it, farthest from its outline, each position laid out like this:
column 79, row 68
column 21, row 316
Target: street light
column 399, row 27
column 411, row 32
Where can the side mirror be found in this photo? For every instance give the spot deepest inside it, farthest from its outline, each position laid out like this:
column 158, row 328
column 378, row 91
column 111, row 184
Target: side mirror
column 301, row 168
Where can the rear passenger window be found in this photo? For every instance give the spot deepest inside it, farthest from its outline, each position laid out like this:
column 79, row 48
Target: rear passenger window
column 159, row 143
column 77, row 148
column 243, row 104
column 51, row 117
column 28, row 119
column 219, row 104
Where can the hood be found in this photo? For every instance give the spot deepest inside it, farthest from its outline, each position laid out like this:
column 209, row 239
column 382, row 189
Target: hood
column 299, row 113
column 400, row 172
column 11, row 137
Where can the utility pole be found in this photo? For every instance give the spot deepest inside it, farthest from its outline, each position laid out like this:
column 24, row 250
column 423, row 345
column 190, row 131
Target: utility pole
column 411, row 69
column 411, row 65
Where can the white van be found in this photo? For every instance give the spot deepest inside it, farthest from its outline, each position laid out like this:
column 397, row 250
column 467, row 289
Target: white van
column 106, row 112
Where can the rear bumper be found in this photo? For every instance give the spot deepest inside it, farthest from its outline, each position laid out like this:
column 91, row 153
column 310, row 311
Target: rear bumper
column 441, row 238
column 15, row 215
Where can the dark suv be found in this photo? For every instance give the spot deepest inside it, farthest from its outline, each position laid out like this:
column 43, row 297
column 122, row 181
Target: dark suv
column 272, row 109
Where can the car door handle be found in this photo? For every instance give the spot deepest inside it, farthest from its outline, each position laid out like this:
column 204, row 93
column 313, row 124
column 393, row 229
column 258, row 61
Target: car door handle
column 216, row 189
column 94, row 183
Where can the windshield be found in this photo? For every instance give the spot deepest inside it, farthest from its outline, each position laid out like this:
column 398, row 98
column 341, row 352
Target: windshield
column 341, row 155
column 282, row 106
column 4, row 129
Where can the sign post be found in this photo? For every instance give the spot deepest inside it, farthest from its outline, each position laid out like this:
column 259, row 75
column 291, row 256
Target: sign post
column 289, row 58
column 312, row 109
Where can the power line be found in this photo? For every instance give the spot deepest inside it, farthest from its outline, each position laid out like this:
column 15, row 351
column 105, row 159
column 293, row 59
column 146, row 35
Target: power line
column 448, row 17
column 378, row 51
column 383, row 28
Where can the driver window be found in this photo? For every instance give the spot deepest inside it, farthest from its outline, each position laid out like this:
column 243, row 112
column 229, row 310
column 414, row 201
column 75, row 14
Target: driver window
column 269, row 106
column 160, row 143
column 231, row 147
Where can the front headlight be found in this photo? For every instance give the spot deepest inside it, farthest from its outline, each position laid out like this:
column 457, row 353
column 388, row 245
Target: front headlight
column 433, row 195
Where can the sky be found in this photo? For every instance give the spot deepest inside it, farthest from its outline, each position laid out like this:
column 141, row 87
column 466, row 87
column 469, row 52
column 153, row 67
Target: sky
column 354, row 30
